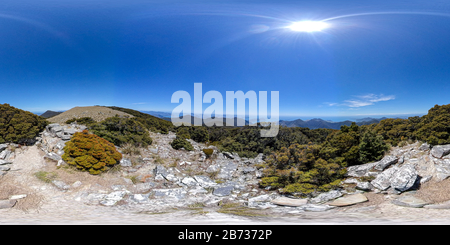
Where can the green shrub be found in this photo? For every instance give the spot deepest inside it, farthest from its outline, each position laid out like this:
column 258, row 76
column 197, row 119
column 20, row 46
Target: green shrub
column 88, row 152
column 179, row 143
column 120, row 131
column 84, row 121
column 18, row 126
column 208, row 152
column 150, row 122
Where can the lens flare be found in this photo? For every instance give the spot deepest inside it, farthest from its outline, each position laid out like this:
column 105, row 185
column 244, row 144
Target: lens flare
column 308, row 26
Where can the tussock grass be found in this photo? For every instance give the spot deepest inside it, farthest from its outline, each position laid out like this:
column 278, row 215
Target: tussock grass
column 240, row 210
column 434, row 191
column 9, row 187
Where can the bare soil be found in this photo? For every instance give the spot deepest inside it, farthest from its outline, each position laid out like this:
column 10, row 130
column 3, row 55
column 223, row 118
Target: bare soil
column 98, row 113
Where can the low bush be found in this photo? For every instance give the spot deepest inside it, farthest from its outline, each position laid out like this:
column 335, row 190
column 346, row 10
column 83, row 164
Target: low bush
column 89, row 152
column 179, row 143
column 120, row 131
column 19, row 126
column 84, row 121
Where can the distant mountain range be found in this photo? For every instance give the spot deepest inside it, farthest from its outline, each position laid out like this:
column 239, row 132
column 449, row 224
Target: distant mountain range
column 311, row 124
column 320, row 123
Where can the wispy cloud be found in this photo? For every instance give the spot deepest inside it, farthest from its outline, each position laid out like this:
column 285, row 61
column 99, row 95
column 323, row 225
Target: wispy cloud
column 140, row 103
column 363, row 100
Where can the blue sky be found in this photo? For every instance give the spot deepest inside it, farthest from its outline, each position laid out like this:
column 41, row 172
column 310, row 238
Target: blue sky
column 377, row 58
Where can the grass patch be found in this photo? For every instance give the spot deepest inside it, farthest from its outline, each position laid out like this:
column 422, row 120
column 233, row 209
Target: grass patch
column 46, row 177
column 238, row 209
column 197, row 208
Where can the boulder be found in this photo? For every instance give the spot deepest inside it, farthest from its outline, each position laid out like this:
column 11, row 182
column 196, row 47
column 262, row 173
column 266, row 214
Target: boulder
column 176, row 193
column 113, row 197
column 189, row 181
column 348, row 200
column 171, row 178
column 4, row 162
column 205, row 181
column 53, row 156
column 383, row 180
column 424, row 147
column 327, row 196
column 160, row 170
column 61, row 185
column 5, row 154
column 404, row 178
column 360, row 170
column 316, row 207
column 442, row 169
column 4, row 168
column 292, row 202
column 223, row 190
column 409, row 201
column 125, row 162
column 439, row 151
column 7, row 203
column 385, row 162
column 3, row 146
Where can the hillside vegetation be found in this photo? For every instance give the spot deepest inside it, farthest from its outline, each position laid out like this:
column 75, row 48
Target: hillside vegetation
column 19, row 126
column 303, row 161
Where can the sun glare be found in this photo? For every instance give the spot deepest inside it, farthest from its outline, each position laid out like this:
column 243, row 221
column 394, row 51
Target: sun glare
column 308, row 26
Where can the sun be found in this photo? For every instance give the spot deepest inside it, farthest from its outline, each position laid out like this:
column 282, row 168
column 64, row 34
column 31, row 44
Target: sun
column 308, row 26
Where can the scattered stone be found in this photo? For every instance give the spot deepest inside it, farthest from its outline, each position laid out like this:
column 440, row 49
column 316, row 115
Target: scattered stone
column 113, row 198
column 76, row 184
column 409, row 201
column 424, row 147
column 348, row 200
column 16, row 197
column 205, row 181
column 61, row 163
column 7, row 203
column 439, row 151
column 5, row 154
column 4, row 168
column 160, row 170
column 61, row 185
column 325, row 197
column 228, row 155
column 125, row 162
column 444, row 205
column 292, row 202
column 316, row 207
column 189, row 181
column 3, row 146
column 177, row 193
column 3, row 162
column 364, row 186
column 53, row 156
column 223, row 191
column 360, row 170
column 171, row 177
column 385, row 162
